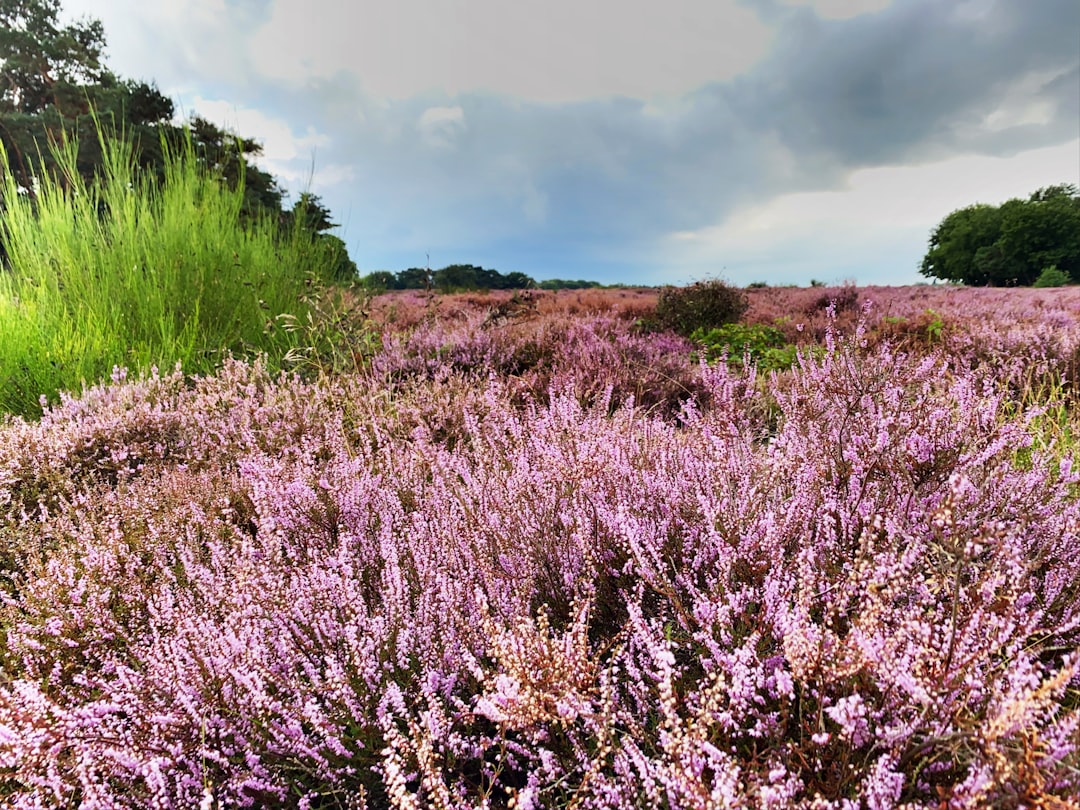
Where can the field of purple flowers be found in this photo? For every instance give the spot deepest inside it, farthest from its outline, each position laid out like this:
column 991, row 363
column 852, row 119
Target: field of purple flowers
column 532, row 555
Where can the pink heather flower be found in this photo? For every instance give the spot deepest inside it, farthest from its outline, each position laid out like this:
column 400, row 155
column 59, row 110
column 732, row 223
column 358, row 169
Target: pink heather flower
column 239, row 590
column 850, row 714
column 883, row 785
column 485, row 707
column 526, row 799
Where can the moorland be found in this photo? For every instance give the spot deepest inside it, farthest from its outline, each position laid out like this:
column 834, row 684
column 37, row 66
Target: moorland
column 536, row 549
column 269, row 540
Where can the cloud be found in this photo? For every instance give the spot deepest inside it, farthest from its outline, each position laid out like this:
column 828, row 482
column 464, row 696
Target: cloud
column 874, row 229
column 440, row 126
column 914, row 83
column 841, row 9
column 540, row 50
column 182, row 45
column 292, row 157
column 564, row 135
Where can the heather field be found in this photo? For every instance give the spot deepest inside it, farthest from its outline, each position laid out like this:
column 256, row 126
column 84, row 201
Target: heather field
column 533, row 551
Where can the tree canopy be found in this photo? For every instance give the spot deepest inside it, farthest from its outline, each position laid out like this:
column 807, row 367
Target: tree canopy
column 453, row 277
column 56, row 88
column 1010, row 244
column 43, row 62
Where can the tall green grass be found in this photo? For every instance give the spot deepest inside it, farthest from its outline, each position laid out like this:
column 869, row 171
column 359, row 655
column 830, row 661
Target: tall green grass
column 135, row 271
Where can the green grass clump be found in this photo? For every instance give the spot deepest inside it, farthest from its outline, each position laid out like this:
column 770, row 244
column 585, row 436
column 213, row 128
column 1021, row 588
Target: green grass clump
column 136, row 271
column 764, row 346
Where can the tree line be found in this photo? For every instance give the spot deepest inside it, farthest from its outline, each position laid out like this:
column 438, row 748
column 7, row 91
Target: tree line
column 464, row 277
column 56, row 88
column 1018, row 243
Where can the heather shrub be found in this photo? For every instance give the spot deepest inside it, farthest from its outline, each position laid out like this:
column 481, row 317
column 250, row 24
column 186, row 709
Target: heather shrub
column 598, row 357
column 701, row 305
column 842, row 299
column 604, row 361
column 418, row 588
column 915, row 332
column 431, row 349
column 127, row 429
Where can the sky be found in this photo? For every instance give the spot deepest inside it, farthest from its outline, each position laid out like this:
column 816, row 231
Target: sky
column 630, row 141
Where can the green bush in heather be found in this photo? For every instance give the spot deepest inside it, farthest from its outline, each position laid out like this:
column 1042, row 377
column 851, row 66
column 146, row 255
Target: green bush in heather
column 134, row 271
column 764, row 346
column 702, row 305
column 1052, row 276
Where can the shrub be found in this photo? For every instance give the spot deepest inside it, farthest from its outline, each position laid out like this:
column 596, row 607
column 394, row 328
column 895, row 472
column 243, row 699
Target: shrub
column 844, row 299
column 702, row 305
column 764, row 346
column 1052, row 276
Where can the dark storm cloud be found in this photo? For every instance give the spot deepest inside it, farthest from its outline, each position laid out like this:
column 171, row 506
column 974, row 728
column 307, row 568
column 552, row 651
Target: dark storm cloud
column 914, row 82
column 914, row 79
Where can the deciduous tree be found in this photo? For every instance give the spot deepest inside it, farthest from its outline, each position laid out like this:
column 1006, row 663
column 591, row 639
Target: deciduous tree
column 1010, row 244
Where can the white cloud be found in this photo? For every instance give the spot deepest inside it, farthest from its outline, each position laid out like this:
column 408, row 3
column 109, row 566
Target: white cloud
column 178, row 44
column 1020, row 103
column 547, row 50
column 440, row 126
column 278, row 140
column 423, row 157
column 876, row 228
column 841, row 9
column 292, row 157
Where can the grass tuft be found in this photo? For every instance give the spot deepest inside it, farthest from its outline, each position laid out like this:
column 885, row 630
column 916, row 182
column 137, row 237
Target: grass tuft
column 137, row 272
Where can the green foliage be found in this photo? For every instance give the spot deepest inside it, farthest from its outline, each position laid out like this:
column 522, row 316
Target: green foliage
column 1010, row 244
column 230, row 156
column 471, row 277
column 761, row 345
column 41, row 61
column 341, row 267
column 136, row 271
column 1052, row 276
column 413, row 278
column 310, row 216
column 379, row 281
column 55, row 88
column 459, row 277
column 565, row 284
column 452, row 278
column 955, row 243
column 934, row 326
column 702, row 305
column 53, row 82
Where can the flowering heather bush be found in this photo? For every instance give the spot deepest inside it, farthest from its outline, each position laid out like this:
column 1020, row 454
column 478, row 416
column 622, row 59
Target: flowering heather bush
column 991, row 322
column 407, row 308
column 597, row 357
column 445, row 583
